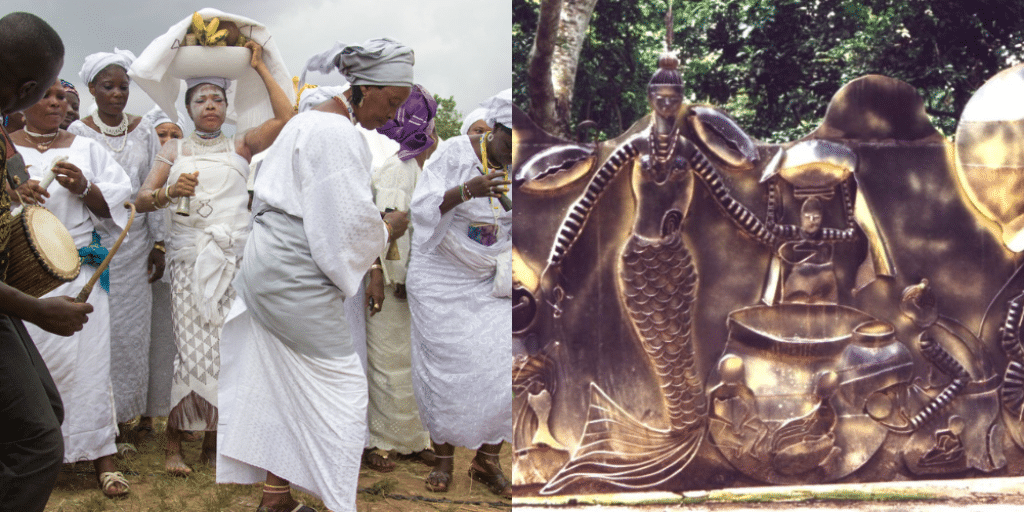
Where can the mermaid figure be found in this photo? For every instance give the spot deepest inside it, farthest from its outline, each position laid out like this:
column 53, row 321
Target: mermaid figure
column 658, row 287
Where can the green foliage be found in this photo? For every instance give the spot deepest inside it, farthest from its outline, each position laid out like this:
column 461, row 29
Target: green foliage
column 524, row 25
column 775, row 64
column 448, row 119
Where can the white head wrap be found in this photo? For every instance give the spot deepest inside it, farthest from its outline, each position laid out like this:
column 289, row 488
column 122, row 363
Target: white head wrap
column 158, row 117
column 248, row 101
column 317, row 95
column 96, row 62
column 499, row 108
column 223, row 83
column 476, row 115
column 375, row 62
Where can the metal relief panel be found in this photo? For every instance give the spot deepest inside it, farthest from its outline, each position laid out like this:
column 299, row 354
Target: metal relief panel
column 696, row 310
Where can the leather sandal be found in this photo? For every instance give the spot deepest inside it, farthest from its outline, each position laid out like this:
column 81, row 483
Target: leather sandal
column 496, row 482
column 109, row 480
column 440, row 478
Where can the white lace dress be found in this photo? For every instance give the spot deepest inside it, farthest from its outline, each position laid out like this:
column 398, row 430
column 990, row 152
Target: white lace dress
column 461, row 332
column 130, row 293
column 393, row 415
column 203, row 251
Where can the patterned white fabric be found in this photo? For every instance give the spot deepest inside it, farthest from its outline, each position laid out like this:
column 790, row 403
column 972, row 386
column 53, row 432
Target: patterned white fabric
column 392, row 415
column 461, row 333
column 130, row 295
column 393, row 184
column 203, row 253
column 293, row 406
column 299, row 417
column 80, row 364
column 299, row 185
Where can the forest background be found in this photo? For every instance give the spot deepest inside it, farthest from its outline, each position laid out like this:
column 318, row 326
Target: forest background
column 773, row 65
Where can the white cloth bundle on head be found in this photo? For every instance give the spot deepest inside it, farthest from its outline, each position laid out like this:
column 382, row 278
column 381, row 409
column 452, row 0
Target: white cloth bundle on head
column 499, row 108
column 248, row 101
column 317, row 95
column 96, row 62
column 477, row 114
column 374, row 62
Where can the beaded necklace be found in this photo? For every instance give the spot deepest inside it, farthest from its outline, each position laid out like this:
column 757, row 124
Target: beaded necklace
column 42, row 146
column 485, row 164
column 112, row 131
column 206, row 140
column 483, row 170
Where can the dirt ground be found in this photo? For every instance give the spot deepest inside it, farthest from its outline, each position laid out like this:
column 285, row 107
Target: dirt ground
column 153, row 490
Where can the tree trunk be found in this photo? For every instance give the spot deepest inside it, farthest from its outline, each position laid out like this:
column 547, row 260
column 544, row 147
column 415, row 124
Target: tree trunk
column 551, row 74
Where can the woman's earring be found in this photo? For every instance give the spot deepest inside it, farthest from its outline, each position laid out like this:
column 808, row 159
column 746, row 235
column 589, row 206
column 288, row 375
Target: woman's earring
column 490, row 136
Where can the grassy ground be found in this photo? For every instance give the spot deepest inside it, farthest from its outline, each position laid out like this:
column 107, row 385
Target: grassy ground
column 153, row 490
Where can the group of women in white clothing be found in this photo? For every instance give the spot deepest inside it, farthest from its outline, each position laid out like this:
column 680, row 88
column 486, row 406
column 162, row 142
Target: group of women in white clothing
column 261, row 353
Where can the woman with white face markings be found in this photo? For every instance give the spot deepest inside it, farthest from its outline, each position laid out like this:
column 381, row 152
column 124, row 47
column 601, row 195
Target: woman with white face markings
column 204, row 247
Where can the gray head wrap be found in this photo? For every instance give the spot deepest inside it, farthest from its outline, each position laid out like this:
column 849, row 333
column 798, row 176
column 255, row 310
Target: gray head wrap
column 375, row 62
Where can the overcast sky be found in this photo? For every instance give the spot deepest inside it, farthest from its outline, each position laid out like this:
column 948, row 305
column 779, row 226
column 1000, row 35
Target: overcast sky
column 463, row 47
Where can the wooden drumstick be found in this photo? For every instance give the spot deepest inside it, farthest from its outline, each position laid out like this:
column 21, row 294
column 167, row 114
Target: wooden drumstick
column 87, row 289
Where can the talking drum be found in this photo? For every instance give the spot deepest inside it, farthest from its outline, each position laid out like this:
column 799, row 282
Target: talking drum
column 42, row 252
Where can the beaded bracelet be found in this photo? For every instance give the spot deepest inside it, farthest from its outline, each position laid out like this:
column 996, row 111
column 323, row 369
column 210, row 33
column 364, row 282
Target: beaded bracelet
column 87, row 187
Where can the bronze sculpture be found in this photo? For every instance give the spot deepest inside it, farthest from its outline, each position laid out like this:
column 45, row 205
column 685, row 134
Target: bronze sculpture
column 815, row 312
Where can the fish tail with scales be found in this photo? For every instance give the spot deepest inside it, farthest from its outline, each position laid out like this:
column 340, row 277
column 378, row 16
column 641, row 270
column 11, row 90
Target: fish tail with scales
column 659, row 282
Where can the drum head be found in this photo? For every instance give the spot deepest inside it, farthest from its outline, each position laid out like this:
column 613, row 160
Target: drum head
column 52, row 242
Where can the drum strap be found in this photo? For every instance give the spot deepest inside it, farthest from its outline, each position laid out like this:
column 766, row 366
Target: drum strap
column 93, row 255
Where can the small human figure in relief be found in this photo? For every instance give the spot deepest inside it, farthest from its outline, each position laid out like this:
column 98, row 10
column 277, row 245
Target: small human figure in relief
column 812, row 277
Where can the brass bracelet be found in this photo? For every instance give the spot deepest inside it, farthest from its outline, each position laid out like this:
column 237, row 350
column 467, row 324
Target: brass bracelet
column 377, row 266
column 160, row 247
column 156, row 199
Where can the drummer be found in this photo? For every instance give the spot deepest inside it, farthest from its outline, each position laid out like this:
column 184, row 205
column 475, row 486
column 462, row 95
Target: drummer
column 86, row 193
column 32, row 406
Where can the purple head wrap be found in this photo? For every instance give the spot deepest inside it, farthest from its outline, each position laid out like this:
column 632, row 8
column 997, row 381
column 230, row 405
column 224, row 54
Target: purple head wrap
column 413, row 123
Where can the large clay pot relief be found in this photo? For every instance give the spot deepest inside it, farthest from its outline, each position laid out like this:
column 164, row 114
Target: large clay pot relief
column 788, row 403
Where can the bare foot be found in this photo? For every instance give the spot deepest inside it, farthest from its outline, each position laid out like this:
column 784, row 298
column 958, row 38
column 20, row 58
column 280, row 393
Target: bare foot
column 175, row 465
